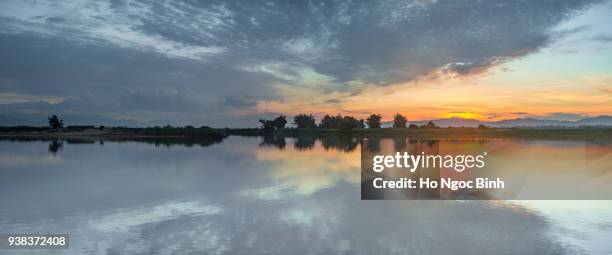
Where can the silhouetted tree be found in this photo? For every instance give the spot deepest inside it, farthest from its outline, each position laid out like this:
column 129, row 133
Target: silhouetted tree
column 267, row 125
column 326, row 122
column 342, row 123
column 348, row 123
column 413, row 126
column 55, row 122
column 374, row 121
column 276, row 124
column 399, row 121
column 280, row 122
column 330, row 122
column 304, row 121
column 430, row 124
column 344, row 126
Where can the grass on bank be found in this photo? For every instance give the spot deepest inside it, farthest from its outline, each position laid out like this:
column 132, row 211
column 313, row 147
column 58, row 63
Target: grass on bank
column 183, row 131
column 584, row 133
column 468, row 133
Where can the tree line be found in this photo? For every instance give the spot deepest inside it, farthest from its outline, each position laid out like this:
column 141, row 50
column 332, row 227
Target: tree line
column 301, row 121
column 344, row 123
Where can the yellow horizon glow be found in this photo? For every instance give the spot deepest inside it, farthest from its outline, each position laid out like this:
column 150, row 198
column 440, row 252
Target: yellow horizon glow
column 491, row 96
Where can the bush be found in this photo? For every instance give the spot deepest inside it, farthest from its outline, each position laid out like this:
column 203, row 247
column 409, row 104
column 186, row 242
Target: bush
column 374, row 121
column 178, row 131
column 399, row 121
column 304, row 121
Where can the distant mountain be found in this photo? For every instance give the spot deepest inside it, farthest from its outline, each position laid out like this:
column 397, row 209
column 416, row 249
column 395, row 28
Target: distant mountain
column 529, row 122
column 520, row 122
column 596, row 121
column 454, row 122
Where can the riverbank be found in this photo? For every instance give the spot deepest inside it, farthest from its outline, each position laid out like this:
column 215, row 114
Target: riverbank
column 118, row 133
column 56, row 139
column 582, row 133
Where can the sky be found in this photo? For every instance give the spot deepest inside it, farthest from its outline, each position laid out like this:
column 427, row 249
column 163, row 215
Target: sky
column 230, row 63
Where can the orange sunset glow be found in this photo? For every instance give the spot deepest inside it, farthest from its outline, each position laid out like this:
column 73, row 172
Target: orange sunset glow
column 489, row 97
column 411, row 58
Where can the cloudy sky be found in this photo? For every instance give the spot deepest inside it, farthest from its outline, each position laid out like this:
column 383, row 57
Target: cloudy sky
column 229, row 63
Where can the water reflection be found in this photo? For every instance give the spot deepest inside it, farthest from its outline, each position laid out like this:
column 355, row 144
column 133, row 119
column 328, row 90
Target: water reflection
column 239, row 197
column 273, row 140
column 307, row 142
column 55, row 146
column 530, row 169
column 343, row 143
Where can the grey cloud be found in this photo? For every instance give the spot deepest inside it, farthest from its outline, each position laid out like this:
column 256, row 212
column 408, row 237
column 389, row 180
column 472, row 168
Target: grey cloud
column 385, row 41
column 210, row 55
column 68, row 105
column 603, row 38
column 238, row 102
column 158, row 100
column 55, row 20
column 520, row 113
column 333, row 101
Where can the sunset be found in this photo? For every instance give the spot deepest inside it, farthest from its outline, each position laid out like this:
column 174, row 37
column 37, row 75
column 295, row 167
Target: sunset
column 239, row 63
column 279, row 126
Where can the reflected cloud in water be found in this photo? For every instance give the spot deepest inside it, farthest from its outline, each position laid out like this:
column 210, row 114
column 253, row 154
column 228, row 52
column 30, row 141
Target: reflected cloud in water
column 239, row 197
column 305, row 171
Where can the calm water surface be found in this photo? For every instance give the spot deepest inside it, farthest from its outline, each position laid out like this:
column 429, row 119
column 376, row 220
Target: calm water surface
column 277, row 196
